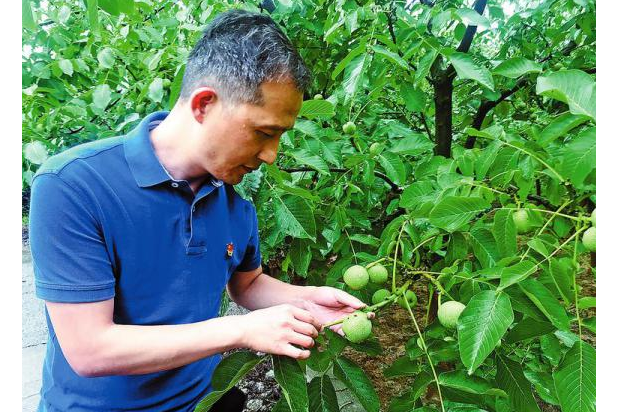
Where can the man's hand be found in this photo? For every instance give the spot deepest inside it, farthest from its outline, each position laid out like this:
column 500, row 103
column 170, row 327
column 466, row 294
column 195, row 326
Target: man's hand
column 276, row 329
column 329, row 304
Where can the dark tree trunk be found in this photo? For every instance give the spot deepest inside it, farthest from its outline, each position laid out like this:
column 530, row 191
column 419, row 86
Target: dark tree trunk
column 443, row 99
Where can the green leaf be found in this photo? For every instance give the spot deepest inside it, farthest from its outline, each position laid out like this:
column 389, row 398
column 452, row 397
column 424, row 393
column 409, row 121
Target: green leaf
column 110, row 6
column 425, row 64
column 561, row 271
column 27, row 19
column 291, row 378
column 481, row 325
column 155, row 90
column 393, row 166
column 308, row 127
column 306, row 158
column 505, row 233
column 362, row 48
column 295, row 217
column 36, row 152
column 510, row 377
column 560, row 126
column 414, row 98
column 575, row 379
column 516, row 67
column 516, row 273
column 66, row 66
column 322, row 395
column 228, row 372
column 484, row 247
column 354, row 74
column 357, row 382
column 101, row 96
column 106, row 58
column 467, row 68
column 317, row 108
column 92, row 9
column 546, row 302
column 403, row 366
column 580, row 156
column 461, row 381
column 417, row 193
column 544, row 385
column 176, row 86
column 413, row 144
column 389, row 55
column 470, row 17
column 455, row 211
column 574, row 87
column 528, row 328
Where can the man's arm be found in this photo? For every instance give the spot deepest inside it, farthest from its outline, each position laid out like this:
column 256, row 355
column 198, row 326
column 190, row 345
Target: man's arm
column 256, row 290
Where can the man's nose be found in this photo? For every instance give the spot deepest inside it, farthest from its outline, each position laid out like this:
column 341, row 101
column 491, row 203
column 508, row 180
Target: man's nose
column 269, row 151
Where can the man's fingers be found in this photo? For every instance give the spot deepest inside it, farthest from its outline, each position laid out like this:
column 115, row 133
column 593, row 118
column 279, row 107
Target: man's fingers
column 302, row 340
column 305, row 328
column 296, row 353
column 349, row 300
column 305, row 316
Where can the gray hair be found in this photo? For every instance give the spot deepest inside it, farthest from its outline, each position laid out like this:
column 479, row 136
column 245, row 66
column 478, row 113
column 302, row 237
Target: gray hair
column 238, row 51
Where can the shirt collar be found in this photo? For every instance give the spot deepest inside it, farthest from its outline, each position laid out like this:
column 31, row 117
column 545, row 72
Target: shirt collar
column 146, row 168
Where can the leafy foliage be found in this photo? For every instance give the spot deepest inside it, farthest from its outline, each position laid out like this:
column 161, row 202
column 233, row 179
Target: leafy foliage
column 435, row 189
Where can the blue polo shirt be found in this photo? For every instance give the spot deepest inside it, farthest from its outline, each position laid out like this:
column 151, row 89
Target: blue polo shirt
column 108, row 222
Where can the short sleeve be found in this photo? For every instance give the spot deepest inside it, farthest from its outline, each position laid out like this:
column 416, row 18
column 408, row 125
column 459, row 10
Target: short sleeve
column 71, row 262
column 252, row 258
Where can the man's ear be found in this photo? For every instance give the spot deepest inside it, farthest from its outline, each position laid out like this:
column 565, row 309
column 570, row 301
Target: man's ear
column 202, row 101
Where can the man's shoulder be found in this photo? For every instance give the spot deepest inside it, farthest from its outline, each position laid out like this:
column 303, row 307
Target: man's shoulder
column 57, row 163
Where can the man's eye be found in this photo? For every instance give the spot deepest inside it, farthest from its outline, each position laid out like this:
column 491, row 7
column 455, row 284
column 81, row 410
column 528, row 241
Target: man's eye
column 264, row 134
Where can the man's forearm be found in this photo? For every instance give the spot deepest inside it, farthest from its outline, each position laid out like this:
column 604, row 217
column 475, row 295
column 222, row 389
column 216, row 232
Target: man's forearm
column 266, row 291
column 130, row 349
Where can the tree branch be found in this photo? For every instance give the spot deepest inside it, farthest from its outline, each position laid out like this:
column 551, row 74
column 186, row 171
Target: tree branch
column 381, row 175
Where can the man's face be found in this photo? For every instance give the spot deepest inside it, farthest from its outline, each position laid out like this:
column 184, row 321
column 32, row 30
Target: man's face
column 236, row 140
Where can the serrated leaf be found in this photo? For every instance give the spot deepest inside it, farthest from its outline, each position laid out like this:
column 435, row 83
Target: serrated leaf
column 101, row 96
column 452, row 212
column 36, row 152
column 528, row 328
column 414, row 98
column 403, row 366
column 295, row 216
column 354, row 74
column 106, row 58
column 467, row 68
column 228, row 372
column 461, row 381
column 481, row 325
column 516, row 67
column 544, row 385
column 322, row 395
column 580, row 156
column 306, row 158
column 393, row 166
column 561, row 272
column 574, row 87
column 365, row 239
column 362, row 47
column 510, row 377
column 291, row 378
column 66, row 66
column 308, row 127
column 470, row 17
column 560, row 126
column 516, row 273
column 505, row 233
column 417, row 193
column 155, row 90
column 413, row 144
column 389, row 55
column 546, row 302
column 575, row 379
column 484, row 247
column 317, row 108
column 357, row 382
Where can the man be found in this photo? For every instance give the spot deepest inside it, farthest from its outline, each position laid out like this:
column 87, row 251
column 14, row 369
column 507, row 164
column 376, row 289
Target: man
column 135, row 237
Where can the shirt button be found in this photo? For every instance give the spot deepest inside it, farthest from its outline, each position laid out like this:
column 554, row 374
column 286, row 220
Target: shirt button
column 193, row 209
column 174, row 184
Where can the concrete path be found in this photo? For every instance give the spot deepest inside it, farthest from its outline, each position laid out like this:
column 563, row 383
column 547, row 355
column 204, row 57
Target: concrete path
column 34, row 335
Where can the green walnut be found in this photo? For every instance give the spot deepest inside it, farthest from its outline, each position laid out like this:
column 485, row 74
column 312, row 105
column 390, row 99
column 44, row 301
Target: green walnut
column 356, row 277
column 349, row 128
column 590, row 239
column 593, row 217
column 318, row 97
column 167, row 82
column 357, row 327
column 375, row 149
column 378, row 274
column 449, row 312
column 379, row 296
column 411, row 296
column 522, row 222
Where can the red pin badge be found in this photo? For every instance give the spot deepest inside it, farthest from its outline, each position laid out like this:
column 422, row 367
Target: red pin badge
column 230, row 249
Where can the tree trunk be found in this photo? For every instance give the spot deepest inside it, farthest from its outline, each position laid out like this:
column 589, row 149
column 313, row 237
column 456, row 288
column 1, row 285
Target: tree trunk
column 443, row 99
